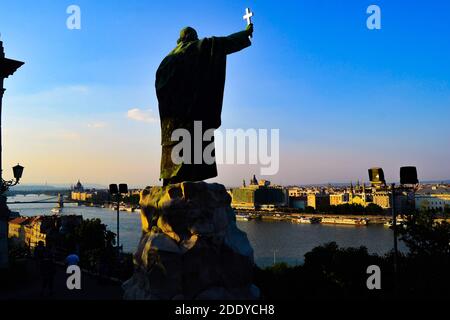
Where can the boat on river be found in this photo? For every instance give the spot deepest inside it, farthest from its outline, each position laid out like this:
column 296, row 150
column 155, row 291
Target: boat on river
column 302, row 220
column 306, row 220
column 242, row 217
column 346, row 221
column 390, row 223
column 56, row 210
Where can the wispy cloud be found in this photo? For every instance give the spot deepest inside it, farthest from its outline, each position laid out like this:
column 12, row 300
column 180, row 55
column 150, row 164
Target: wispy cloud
column 78, row 89
column 97, row 125
column 146, row 115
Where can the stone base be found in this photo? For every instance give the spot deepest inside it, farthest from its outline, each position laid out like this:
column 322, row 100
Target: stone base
column 191, row 247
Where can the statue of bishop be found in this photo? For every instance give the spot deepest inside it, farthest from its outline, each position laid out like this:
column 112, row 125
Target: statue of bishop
column 189, row 85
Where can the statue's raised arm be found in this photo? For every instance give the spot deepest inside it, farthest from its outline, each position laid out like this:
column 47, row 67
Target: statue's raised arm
column 237, row 41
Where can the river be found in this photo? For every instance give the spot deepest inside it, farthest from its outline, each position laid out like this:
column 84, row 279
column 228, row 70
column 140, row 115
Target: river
column 272, row 241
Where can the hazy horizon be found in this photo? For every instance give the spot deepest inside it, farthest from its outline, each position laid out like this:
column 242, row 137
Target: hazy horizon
column 99, row 185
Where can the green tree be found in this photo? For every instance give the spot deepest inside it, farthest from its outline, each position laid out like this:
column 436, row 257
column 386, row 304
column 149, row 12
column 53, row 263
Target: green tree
column 374, row 209
column 92, row 239
column 132, row 199
column 425, row 236
column 425, row 271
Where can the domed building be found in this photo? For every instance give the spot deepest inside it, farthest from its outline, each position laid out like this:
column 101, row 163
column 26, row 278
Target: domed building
column 78, row 187
column 79, row 193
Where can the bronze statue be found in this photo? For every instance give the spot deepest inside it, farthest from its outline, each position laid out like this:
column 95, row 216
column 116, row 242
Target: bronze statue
column 189, row 85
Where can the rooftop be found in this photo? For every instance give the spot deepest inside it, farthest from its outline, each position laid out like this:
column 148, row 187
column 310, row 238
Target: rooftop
column 434, row 190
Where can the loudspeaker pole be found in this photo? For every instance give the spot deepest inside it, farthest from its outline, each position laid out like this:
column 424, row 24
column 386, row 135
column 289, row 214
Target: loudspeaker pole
column 394, row 228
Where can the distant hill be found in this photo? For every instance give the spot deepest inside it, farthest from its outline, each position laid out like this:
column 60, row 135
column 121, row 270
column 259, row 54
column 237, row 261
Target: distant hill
column 31, row 187
column 436, row 181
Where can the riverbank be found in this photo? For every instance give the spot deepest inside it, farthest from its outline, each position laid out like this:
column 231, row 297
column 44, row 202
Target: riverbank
column 279, row 240
column 324, row 218
column 317, row 217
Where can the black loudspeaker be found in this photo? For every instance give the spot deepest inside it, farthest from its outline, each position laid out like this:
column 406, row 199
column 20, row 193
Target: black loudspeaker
column 376, row 176
column 408, row 175
column 123, row 188
column 113, row 189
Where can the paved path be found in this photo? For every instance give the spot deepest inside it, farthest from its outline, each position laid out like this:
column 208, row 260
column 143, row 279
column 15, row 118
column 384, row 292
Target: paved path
column 29, row 287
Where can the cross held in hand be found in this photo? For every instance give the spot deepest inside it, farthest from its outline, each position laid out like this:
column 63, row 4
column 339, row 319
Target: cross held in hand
column 248, row 16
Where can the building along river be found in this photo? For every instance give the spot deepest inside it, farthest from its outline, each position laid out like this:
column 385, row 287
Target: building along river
column 279, row 241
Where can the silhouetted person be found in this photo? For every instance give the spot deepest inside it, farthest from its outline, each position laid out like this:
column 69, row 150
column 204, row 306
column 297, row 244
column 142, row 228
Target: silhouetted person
column 105, row 264
column 47, row 270
column 39, row 251
column 72, row 260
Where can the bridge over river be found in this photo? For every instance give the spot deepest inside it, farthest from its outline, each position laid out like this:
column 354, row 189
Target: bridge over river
column 49, row 192
column 57, row 198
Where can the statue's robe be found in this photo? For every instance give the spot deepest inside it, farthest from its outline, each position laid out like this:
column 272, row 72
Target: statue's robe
column 189, row 85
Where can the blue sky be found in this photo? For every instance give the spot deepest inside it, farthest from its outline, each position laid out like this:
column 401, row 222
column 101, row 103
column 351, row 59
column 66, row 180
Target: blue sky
column 344, row 97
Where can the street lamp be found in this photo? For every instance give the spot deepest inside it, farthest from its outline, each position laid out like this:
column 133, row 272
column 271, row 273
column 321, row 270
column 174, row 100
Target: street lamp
column 117, row 191
column 17, row 172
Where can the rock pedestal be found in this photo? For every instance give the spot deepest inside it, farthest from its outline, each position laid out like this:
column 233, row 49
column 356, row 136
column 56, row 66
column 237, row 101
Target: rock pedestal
column 191, row 247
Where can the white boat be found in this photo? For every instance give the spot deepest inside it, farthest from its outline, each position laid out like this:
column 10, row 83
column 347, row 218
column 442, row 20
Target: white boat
column 56, row 210
column 302, row 220
column 242, row 217
column 390, row 223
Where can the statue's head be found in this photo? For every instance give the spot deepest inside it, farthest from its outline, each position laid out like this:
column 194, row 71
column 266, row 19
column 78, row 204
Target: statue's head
column 187, row 34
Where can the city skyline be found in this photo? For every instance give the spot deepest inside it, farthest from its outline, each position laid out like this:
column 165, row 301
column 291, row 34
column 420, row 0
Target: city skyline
column 84, row 103
column 98, row 186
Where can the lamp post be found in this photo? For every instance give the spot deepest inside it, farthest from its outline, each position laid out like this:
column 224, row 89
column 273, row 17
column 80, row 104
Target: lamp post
column 17, row 173
column 118, row 191
column 408, row 176
column 7, row 68
column 394, row 229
